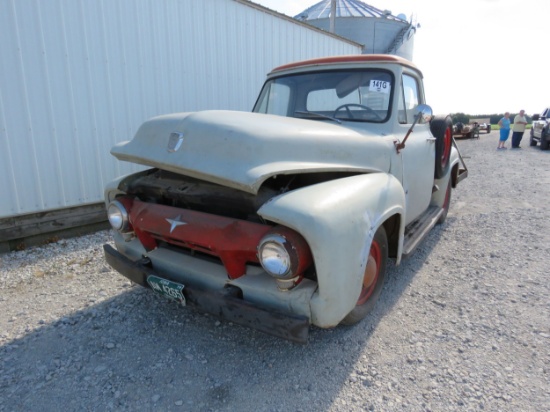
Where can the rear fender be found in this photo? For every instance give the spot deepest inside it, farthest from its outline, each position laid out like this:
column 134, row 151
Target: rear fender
column 438, row 197
column 338, row 219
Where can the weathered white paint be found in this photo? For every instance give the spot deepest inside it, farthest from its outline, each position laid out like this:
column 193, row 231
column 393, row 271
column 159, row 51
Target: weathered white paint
column 242, row 150
column 326, row 222
column 78, row 76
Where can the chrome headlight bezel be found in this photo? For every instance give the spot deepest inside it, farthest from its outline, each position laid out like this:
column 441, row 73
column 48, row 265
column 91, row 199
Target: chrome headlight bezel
column 118, row 216
column 275, row 257
column 285, row 255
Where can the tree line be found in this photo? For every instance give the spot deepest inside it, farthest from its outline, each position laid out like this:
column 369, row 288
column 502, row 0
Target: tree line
column 465, row 118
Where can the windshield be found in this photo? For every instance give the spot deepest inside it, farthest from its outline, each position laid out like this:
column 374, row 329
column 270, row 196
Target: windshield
column 346, row 95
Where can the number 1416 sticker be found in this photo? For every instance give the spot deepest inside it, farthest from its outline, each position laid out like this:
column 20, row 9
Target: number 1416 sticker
column 379, row 86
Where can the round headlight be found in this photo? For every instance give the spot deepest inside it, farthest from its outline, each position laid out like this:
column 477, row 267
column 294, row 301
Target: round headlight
column 285, row 255
column 274, row 256
column 118, row 216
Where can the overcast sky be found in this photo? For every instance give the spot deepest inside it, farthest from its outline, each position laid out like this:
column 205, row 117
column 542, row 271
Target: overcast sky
column 477, row 56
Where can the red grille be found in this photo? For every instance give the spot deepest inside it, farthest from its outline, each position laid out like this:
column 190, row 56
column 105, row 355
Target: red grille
column 234, row 241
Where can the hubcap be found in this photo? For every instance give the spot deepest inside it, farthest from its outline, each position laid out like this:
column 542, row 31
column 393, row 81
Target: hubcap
column 372, row 270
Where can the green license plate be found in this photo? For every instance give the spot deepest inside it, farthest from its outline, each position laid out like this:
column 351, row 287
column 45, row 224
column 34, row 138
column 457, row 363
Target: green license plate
column 171, row 290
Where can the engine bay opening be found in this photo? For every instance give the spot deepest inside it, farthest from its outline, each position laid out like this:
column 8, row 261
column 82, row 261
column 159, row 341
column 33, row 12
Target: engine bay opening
column 172, row 189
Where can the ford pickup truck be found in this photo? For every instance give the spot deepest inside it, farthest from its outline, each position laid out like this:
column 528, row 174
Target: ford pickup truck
column 285, row 217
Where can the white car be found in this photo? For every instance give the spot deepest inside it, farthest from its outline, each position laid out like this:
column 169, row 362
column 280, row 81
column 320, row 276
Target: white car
column 540, row 130
column 285, row 217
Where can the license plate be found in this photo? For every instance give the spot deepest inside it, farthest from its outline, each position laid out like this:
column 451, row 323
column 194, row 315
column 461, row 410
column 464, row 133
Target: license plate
column 167, row 288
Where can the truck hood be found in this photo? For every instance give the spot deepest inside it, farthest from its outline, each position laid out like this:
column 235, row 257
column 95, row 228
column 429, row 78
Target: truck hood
column 242, row 149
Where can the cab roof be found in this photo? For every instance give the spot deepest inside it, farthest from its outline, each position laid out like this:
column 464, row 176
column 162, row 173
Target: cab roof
column 359, row 58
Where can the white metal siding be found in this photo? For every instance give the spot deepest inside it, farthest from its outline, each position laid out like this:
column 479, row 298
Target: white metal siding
column 77, row 76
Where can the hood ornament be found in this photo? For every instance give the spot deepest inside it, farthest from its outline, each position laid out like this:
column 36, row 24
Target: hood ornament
column 174, row 223
column 175, row 141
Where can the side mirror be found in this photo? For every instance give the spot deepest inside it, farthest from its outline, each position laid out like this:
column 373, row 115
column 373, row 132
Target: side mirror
column 423, row 114
column 535, row 117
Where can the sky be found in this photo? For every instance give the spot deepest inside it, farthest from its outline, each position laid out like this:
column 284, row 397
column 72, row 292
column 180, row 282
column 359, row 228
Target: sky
column 477, row 56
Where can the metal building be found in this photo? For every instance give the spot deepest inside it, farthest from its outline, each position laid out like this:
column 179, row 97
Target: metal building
column 78, row 76
column 378, row 30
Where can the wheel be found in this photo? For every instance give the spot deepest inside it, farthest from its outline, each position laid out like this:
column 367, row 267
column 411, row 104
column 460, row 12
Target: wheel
column 544, row 143
column 488, row 128
column 446, row 202
column 350, row 114
column 532, row 141
column 442, row 129
column 373, row 279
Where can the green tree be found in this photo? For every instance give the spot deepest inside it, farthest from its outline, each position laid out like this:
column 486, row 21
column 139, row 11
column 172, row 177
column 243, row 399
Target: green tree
column 460, row 117
column 493, row 118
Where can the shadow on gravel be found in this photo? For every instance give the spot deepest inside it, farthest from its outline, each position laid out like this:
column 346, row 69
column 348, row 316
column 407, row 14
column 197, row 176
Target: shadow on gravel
column 138, row 351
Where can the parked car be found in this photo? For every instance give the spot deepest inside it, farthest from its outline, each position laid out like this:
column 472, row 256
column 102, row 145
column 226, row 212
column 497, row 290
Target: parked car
column 540, row 131
column 485, row 126
column 285, row 217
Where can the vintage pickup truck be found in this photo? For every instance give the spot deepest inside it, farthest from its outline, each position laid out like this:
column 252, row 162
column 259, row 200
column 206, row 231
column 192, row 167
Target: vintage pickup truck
column 285, row 217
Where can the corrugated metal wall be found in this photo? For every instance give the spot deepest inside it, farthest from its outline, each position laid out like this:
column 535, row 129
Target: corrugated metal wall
column 77, row 76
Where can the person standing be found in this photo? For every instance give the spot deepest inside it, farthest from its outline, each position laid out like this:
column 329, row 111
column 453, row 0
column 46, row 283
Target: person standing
column 518, row 129
column 504, row 124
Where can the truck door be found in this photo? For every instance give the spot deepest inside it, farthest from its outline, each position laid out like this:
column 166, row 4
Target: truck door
column 418, row 156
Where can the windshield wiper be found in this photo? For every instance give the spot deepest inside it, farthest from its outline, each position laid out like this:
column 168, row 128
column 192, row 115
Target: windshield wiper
column 318, row 115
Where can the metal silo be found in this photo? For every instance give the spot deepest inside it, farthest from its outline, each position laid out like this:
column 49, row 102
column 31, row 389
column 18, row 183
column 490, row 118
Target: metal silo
column 378, row 30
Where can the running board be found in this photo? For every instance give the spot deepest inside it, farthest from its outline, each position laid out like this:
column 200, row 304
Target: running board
column 419, row 229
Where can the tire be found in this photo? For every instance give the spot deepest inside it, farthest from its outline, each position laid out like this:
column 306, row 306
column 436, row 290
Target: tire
column 446, row 202
column 532, row 141
column 544, row 143
column 488, row 129
column 375, row 273
column 442, row 129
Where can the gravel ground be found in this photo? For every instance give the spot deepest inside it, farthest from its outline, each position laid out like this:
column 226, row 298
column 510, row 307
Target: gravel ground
column 462, row 325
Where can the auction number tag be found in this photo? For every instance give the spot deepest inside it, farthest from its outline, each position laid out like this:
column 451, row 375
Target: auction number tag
column 379, row 86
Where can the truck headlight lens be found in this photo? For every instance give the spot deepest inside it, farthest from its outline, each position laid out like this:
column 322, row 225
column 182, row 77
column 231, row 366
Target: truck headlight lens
column 118, row 216
column 274, row 256
column 285, row 255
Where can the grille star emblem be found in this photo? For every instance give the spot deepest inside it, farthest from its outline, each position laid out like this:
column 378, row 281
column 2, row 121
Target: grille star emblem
column 174, row 223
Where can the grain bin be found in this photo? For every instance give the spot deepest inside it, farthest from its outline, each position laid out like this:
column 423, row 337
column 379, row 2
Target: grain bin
column 377, row 30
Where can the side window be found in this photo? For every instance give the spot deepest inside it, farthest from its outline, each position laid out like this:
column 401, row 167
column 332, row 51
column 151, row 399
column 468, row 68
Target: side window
column 409, row 100
column 278, row 100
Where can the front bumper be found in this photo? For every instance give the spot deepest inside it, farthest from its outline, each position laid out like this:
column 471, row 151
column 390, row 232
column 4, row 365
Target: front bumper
column 224, row 303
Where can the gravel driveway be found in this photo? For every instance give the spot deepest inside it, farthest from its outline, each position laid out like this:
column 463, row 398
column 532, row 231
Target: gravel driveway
column 462, row 325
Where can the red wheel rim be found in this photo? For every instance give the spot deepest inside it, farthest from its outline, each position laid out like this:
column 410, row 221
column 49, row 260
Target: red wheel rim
column 372, row 272
column 447, row 139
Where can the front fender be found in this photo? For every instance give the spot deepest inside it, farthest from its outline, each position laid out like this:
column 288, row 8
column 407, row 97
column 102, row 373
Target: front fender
column 338, row 219
column 113, row 188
